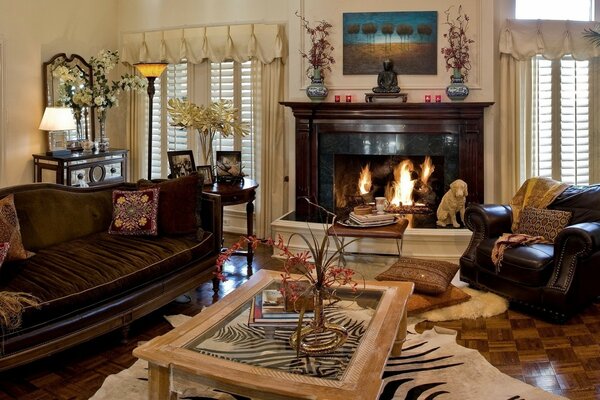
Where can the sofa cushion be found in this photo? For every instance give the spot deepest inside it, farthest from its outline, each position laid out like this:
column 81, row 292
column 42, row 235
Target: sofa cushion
column 51, row 216
column 135, row 212
column 527, row 265
column 582, row 201
column 429, row 276
column 85, row 272
column 10, row 230
column 542, row 222
column 176, row 204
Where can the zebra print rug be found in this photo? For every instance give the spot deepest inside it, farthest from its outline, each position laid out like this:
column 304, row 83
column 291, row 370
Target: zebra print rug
column 432, row 366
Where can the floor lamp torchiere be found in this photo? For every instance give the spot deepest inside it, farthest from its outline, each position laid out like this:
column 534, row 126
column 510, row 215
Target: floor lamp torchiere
column 151, row 71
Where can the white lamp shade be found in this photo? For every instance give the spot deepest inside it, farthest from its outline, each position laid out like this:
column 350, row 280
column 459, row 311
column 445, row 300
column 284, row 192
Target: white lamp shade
column 57, row 119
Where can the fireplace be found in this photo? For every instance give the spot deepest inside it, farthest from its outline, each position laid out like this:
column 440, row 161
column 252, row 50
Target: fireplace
column 411, row 184
column 331, row 135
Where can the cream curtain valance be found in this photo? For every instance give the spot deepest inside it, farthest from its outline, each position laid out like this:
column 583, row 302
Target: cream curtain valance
column 522, row 39
column 215, row 43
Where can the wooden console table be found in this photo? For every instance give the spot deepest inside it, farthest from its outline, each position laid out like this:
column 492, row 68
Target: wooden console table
column 238, row 193
column 96, row 169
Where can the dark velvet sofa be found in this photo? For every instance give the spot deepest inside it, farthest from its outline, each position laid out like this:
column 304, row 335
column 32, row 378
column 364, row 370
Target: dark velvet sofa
column 91, row 282
column 554, row 281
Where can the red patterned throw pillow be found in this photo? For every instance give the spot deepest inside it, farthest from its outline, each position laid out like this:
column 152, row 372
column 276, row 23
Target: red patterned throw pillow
column 135, row 212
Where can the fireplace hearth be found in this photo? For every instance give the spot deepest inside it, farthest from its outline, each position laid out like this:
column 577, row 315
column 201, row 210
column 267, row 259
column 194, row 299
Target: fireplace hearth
column 450, row 133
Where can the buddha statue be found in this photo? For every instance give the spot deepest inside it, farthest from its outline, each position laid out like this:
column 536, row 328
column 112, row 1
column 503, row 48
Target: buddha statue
column 387, row 80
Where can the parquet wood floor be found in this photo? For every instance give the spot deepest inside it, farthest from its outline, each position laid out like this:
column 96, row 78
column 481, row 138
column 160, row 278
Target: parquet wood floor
column 562, row 359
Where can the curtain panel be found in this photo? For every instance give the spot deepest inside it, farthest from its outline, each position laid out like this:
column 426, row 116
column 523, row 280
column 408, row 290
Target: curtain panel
column 524, row 39
column 520, row 42
column 263, row 42
column 266, row 46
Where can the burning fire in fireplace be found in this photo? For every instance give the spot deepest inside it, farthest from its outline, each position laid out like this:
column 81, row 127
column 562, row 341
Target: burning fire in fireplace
column 364, row 181
column 409, row 187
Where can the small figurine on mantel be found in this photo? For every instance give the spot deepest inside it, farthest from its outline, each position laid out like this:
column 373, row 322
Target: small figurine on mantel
column 387, row 80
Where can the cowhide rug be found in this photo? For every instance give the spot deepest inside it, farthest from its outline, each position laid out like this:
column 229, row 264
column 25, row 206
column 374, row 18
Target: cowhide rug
column 432, row 366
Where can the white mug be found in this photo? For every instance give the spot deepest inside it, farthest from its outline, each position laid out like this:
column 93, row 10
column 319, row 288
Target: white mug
column 380, row 204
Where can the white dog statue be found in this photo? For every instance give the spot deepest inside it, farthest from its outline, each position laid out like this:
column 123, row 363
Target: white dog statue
column 453, row 202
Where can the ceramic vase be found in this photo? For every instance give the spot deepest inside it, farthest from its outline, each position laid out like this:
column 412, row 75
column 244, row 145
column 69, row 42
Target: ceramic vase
column 316, row 91
column 457, row 90
column 320, row 336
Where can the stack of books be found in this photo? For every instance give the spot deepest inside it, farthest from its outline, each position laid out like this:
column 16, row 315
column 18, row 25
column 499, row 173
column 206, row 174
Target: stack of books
column 268, row 309
column 372, row 219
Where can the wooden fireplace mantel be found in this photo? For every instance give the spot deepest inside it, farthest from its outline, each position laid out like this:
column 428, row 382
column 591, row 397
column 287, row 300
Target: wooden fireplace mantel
column 461, row 118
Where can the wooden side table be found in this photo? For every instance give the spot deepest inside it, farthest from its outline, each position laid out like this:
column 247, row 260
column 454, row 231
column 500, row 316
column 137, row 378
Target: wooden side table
column 238, row 193
column 394, row 231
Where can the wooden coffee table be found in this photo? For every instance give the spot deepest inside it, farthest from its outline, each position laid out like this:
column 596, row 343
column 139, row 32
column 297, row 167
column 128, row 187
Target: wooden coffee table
column 216, row 348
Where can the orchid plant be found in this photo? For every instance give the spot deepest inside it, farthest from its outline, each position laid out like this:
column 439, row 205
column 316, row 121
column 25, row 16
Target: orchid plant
column 319, row 55
column 104, row 92
column 456, row 54
column 76, row 91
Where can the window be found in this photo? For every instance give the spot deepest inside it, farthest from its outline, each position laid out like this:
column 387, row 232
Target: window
column 560, row 125
column 577, row 10
column 559, row 142
column 172, row 83
column 232, row 81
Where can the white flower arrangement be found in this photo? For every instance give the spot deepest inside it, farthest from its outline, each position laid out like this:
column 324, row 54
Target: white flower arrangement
column 75, row 90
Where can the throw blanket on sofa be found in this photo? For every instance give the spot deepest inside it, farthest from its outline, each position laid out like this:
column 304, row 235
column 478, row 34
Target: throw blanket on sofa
column 508, row 240
column 11, row 308
column 535, row 192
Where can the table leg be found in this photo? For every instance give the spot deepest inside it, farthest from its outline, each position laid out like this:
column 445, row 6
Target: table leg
column 250, row 231
column 401, row 335
column 159, row 384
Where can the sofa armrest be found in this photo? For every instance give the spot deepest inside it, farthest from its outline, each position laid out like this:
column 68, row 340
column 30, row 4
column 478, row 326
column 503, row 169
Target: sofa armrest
column 212, row 217
column 485, row 221
column 572, row 244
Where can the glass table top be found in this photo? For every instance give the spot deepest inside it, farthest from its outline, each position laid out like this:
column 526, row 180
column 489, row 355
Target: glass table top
column 237, row 338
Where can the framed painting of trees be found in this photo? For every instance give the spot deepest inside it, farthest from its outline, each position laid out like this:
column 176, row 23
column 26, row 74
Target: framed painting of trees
column 409, row 39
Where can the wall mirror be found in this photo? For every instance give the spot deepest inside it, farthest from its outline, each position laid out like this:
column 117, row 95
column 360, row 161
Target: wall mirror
column 54, row 93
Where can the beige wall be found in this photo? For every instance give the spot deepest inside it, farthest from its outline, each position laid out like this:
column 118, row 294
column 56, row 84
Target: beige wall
column 85, row 26
column 31, row 32
column 138, row 15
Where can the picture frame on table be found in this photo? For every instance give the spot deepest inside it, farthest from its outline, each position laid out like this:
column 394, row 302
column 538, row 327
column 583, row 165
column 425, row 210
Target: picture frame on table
column 206, row 171
column 228, row 166
column 181, row 163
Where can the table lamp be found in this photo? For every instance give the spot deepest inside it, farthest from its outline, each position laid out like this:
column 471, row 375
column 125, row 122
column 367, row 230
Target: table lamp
column 56, row 121
column 151, row 71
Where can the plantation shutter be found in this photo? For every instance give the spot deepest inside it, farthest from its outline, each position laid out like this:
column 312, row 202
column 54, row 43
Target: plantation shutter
column 232, row 81
column 173, row 83
column 560, row 139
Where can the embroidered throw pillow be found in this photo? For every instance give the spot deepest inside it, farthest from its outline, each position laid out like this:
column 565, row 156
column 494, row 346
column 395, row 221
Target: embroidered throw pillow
column 10, row 230
column 135, row 212
column 542, row 222
column 429, row 276
column 3, row 251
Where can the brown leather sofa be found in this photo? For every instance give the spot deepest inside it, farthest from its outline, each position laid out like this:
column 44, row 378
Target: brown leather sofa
column 554, row 281
column 91, row 282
